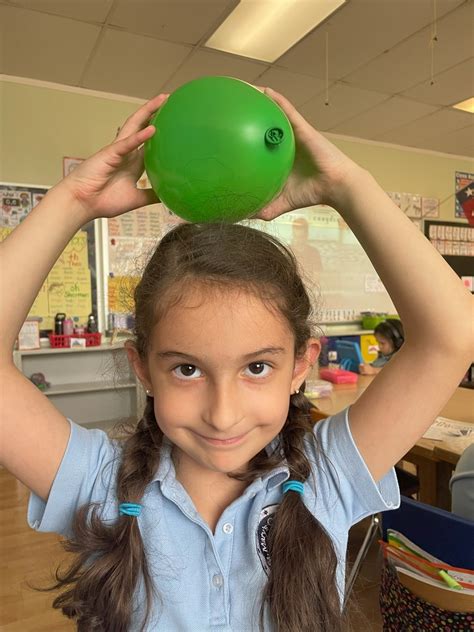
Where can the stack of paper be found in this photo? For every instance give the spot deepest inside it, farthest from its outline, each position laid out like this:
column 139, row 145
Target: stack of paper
column 444, row 428
column 427, row 577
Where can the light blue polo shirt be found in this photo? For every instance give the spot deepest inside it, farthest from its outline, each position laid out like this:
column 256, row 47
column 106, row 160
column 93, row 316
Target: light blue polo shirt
column 214, row 581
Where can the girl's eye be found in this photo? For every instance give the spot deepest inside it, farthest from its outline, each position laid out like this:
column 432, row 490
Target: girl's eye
column 187, row 372
column 259, row 369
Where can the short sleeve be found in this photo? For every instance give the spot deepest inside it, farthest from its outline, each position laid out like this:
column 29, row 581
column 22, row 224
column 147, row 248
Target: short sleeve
column 341, row 480
column 86, row 474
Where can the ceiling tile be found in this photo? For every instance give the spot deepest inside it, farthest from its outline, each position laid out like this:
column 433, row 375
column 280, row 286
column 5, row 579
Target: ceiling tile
column 390, row 114
column 434, row 125
column 202, row 63
column 85, row 10
column 182, row 21
column 359, row 31
column 297, row 88
column 344, row 103
column 134, row 65
column 42, row 46
column 450, row 87
column 459, row 142
column 409, row 63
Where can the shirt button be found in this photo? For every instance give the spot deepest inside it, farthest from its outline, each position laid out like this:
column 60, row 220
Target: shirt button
column 227, row 528
column 217, row 580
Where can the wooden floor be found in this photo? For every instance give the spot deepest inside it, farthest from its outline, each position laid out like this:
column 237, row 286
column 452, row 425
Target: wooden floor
column 28, row 556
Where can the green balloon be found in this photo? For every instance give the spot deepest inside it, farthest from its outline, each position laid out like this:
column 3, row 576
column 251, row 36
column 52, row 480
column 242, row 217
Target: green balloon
column 222, row 150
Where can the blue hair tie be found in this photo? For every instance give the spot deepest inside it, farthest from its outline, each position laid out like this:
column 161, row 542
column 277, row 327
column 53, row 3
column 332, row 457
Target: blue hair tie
column 129, row 509
column 293, row 486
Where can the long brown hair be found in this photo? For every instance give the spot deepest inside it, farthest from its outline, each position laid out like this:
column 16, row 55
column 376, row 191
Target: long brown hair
column 301, row 593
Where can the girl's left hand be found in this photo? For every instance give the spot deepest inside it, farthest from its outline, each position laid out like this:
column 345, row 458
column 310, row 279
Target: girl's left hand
column 320, row 170
column 367, row 369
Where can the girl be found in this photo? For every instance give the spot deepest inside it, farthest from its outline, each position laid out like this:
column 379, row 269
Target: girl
column 390, row 337
column 224, row 510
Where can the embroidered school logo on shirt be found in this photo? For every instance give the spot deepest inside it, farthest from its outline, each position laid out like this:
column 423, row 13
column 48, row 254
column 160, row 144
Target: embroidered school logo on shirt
column 267, row 516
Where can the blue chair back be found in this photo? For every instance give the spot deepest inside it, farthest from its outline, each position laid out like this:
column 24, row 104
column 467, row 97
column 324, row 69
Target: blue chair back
column 448, row 537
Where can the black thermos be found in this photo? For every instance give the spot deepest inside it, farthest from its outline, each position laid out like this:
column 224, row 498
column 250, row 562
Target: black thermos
column 58, row 324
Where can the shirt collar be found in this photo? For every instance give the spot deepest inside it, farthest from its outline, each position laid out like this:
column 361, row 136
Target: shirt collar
column 165, row 472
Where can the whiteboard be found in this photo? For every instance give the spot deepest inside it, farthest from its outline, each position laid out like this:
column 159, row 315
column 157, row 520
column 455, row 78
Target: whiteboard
column 339, row 275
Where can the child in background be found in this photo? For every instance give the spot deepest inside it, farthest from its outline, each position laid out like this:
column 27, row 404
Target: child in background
column 224, row 509
column 390, row 337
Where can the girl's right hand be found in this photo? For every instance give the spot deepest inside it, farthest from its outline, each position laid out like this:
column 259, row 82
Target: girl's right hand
column 105, row 184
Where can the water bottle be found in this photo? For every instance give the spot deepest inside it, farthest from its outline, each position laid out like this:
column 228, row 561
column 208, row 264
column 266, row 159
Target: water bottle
column 91, row 324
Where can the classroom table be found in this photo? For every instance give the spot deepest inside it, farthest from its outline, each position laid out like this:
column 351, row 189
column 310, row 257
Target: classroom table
column 434, row 460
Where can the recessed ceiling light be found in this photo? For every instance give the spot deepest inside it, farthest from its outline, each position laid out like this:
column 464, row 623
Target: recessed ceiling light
column 467, row 105
column 265, row 29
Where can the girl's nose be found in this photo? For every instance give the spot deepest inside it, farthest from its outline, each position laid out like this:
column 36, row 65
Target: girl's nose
column 223, row 408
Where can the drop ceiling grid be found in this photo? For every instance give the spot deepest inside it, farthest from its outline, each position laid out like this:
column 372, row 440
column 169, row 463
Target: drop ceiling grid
column 379, row 60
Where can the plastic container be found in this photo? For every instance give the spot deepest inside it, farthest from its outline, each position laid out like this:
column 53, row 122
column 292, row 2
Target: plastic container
column 64, row 342
column 370, row 321
column 338, row 376
column 317, row 388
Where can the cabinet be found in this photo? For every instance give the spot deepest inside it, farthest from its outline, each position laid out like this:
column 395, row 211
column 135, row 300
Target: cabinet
column 94, row 386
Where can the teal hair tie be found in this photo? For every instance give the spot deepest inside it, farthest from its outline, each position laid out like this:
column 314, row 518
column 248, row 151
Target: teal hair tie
column 129, row 509
column 293, row 486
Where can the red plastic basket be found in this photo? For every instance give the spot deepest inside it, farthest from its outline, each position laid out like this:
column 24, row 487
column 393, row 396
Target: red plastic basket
column 58, row 341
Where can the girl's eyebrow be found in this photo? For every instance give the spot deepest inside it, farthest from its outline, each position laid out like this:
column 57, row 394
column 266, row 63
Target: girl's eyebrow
column 248, row 356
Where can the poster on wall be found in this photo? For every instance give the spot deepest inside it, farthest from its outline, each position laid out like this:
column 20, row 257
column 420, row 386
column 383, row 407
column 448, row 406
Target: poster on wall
column 462, row 180
column 415, row 206
column 17, row 201
column 69, row 164
column 69, row 286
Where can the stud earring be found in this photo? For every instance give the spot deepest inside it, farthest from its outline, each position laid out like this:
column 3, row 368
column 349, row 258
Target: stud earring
column 295, row 392
column 148, row 392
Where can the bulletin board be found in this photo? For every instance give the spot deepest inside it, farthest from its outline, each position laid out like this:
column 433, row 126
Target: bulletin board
column 131, row 239
column 71, row 286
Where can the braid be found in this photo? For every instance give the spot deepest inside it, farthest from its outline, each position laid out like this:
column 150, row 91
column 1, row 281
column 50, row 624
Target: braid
column 303, row 560
column 100, row 594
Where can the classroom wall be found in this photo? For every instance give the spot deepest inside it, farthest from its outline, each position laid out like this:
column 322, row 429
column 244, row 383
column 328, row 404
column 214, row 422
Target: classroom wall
column 39, row 125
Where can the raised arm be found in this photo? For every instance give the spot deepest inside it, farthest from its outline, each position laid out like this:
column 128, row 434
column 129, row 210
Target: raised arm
column 33, row 433
column 436, row 310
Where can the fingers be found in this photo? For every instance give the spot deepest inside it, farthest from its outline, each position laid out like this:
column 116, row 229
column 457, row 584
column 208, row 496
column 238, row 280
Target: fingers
column 144, row 197
column 140, row 119
column 276, row 208
column 296, row 119
column 123, row 146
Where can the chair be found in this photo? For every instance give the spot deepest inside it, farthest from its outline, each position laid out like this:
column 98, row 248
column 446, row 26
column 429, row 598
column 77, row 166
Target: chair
column 441, row 533
column 407, row 603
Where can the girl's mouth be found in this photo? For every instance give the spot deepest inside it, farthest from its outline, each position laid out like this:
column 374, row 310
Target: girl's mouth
column 224, row 442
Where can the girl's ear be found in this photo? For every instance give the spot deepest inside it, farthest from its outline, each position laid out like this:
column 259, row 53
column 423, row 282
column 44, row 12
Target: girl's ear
column 139, row 367
column 304, row 363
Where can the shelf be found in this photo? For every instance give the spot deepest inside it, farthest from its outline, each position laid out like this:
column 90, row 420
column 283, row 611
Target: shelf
column 48, row 350
column 86, row 387
column 344, row 331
